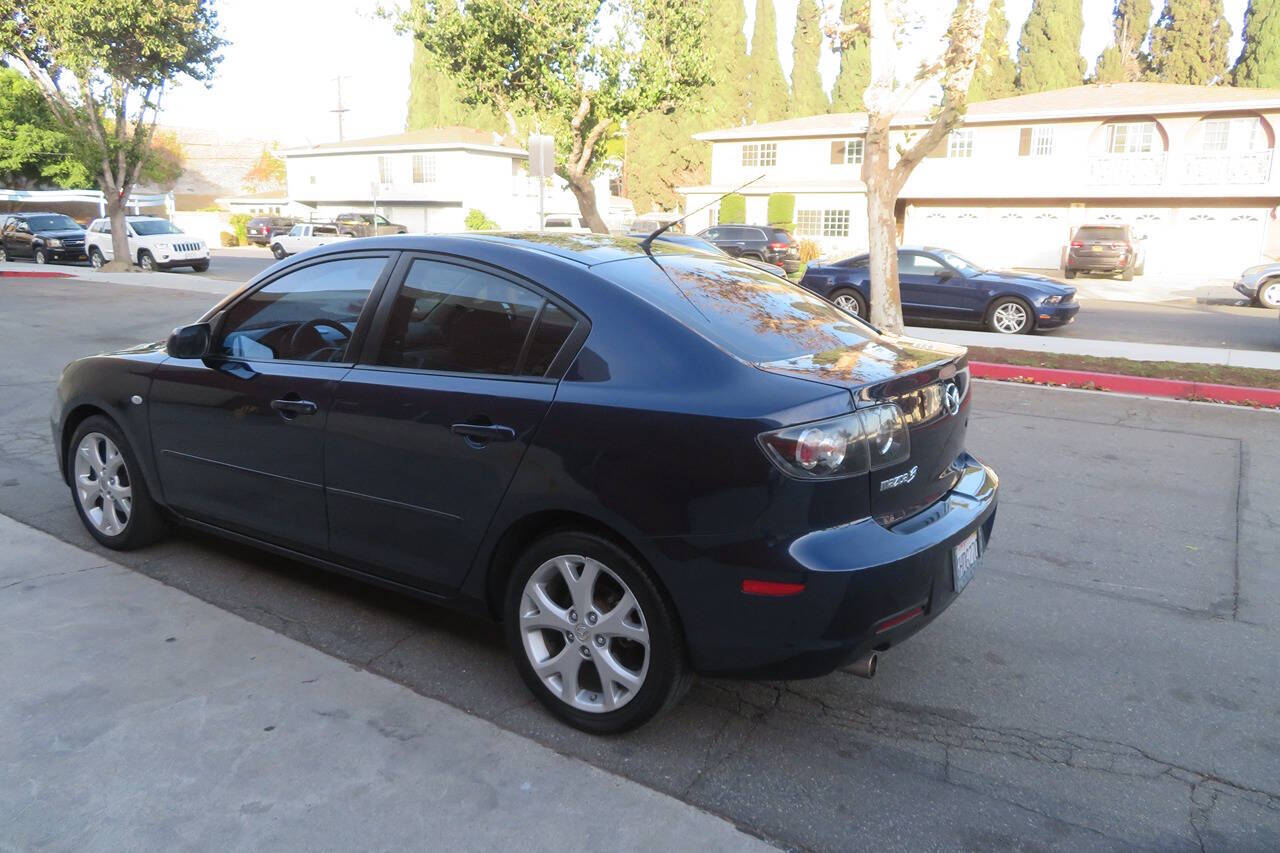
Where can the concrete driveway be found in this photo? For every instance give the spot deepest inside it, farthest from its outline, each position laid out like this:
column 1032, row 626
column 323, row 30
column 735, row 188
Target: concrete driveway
column 1108, row 680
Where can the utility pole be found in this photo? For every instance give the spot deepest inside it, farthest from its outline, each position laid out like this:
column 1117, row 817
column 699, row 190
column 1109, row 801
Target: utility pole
column 341, row 109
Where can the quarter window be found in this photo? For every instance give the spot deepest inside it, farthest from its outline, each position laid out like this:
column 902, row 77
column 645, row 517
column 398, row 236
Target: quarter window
column 424, row 168
column 306, row 315
column 760, row 154
column 462, row 320
column 960, row 143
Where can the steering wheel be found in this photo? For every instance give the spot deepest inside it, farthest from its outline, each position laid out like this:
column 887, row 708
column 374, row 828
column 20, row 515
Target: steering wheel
column 313, row 326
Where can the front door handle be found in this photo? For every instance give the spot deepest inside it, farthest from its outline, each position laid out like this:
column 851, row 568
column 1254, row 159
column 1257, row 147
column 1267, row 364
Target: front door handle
column 290, row 408
column 484, row 432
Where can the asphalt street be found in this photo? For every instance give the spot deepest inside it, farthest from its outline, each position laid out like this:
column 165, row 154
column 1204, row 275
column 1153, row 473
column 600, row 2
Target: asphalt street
column 1107, row 681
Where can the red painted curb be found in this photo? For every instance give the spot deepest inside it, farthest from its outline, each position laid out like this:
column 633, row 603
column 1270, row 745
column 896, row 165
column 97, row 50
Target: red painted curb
column 1175, row 388
column 35, row 274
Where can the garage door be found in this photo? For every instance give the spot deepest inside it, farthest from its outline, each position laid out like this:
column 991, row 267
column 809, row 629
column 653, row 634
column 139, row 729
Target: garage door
column 994, row 237
column 1216, row 242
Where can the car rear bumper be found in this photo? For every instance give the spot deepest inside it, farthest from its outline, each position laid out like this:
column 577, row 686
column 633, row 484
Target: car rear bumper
column 858, row 580
column 1099, row 261
column 1051, row 316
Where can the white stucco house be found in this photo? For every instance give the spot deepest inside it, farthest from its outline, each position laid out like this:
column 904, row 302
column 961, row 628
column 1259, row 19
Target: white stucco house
column 429, row 179
column 1189, row 167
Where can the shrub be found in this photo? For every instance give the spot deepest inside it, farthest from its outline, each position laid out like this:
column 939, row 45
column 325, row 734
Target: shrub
column 809, row 250
column 782, row 209
column 477, row 221
column 240, row 224
column 228, row 239
column 733, row 209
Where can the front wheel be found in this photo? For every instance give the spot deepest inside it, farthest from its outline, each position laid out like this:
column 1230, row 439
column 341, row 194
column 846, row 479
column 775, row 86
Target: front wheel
column 111, row 497
column 40, row 256
column 1009, row 316
column 200, row 266
column 592, row 635
column 851, row 302
column 146, row 261
column 4, row 256
column 1269, row 294
column 96, row 260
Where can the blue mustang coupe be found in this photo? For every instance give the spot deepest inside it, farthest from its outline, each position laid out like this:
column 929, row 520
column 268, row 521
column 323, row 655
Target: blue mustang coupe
column 939, row 285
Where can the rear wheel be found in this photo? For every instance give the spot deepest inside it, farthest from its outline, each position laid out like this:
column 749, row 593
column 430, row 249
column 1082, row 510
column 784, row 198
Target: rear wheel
column 1009, row 316
column 851, row 302
column 111, row 497
column 1269, row 294
column 592, row 635
column 1127, row 274
column 278, row 251
column 1071, row 273
column 146, row 261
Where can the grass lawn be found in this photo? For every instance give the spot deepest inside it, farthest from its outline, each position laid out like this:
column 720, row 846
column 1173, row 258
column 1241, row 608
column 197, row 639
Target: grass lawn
column 1215, row 373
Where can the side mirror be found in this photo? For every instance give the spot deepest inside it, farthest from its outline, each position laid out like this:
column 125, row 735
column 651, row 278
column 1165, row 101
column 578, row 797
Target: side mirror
column 189, row 341
column 943, row 275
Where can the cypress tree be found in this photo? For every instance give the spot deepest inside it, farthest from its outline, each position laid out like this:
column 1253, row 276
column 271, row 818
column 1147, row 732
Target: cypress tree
column 1049, row 49
column 1189, row 42
column 855, row 66
column 807, row 97
column 434, row 100
column 995, row 75
column 768, row 89
column 1123, row 60
column 1259, row 63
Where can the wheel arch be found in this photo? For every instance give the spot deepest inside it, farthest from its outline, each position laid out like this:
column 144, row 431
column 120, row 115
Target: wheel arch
column 1010, row 294
column 70, row 422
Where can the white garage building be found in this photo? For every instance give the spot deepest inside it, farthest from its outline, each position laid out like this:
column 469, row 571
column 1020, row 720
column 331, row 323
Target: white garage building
column 1189, row 167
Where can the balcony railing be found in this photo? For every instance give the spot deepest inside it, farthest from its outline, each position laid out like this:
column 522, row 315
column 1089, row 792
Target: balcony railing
column 1252, row 167
column 1127, row 169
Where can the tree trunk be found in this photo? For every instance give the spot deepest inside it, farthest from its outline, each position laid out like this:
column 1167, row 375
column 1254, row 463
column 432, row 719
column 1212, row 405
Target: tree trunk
column 882, row 229
column 119, row 232
column 585, row 193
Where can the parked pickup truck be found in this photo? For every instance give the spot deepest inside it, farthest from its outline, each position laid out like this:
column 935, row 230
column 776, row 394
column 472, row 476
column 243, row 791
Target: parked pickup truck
column 305, row 236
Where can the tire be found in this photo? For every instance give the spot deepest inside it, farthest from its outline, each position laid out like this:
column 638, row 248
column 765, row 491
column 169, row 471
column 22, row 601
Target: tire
column 751, row 256
column 1142, row 268
column 40, row 256
column 102, row 509
column 1127, row 274
column 279, row 252
column 1269, row 294
column 1070, row 273
column 96, row 260
column 146, row 260
column 4, row 256
column 850, row 301
column 658, row 669
column 200, row 266
column 1003, row 313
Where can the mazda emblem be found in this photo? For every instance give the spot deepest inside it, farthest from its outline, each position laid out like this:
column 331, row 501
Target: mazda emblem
column 951, row 398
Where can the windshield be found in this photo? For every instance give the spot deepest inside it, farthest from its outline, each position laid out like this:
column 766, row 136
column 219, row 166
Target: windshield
column 151, row 227
column 56, row 222
column 966, row 268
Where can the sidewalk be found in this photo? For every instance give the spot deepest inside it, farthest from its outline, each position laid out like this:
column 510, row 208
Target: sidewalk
column 136, row 717
column 158, row 278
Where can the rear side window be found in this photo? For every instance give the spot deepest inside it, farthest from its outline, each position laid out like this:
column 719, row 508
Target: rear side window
column 1108, row 234
column 458, row 319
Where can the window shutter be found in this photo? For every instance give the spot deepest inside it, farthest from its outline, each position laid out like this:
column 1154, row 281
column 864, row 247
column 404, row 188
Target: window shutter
column 1024, row 142
column 837, row 153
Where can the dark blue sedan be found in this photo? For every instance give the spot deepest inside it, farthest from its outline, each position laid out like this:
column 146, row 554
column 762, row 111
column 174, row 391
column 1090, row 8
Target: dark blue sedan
column 644, row 461
column 940, row 286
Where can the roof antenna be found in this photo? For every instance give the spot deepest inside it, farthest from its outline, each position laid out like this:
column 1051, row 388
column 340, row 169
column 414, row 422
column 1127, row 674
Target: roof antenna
column 648, row 241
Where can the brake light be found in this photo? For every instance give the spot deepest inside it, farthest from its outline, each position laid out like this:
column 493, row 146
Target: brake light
column 773, row 588
column 778, row 245
column 851, row 444
column 1076, row 244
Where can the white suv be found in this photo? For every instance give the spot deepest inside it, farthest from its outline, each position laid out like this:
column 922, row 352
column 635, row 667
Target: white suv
column 154, row 244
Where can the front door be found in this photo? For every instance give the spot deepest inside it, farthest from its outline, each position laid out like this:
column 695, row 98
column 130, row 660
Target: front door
column 426, row 433
column 239, row 435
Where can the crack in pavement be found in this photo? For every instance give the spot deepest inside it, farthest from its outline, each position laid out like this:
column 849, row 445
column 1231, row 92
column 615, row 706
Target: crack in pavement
column 52, row 575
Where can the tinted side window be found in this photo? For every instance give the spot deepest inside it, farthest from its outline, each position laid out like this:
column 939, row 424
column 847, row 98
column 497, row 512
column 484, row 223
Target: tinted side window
column 306, row 315
column 457, row 319
column 554, row 326
column 910, row 262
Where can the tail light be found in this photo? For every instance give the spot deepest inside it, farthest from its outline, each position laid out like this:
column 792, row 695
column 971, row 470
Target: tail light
column 1076, row 244
column 851, row 444
column 779, row 245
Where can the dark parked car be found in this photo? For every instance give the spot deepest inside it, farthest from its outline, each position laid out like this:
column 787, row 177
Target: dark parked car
column 42, row 237
column 698, row 243
column 367, row 225
column 1111, row 249
column 939, row 285
column 644, row 465
column 756, row 242
column 263, row 229
column 1261, row 284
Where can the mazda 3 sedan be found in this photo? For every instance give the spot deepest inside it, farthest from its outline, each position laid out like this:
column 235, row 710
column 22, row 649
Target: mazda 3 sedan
column 646, row 462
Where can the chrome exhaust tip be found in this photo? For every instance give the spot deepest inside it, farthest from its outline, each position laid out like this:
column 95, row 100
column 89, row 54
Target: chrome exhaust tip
column 864, row 667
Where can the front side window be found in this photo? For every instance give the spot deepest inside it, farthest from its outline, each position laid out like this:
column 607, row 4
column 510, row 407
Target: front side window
column 296, row 231
column 309, row 314
column 910, row 263
column 424, row 168
column 960, row 143
column 461, row 320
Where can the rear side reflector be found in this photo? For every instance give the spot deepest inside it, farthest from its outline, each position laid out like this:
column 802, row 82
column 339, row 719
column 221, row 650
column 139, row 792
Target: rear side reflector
column 774, row 588
column 895, row 621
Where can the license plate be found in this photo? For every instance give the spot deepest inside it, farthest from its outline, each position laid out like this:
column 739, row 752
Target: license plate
column 964, row 560
column 1097, row 248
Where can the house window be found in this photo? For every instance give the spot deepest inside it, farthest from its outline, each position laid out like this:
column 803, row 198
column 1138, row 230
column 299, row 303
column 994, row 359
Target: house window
column 760, row 154
column 311, row 179
column 1132, row 138
column 835, row 223
column 424, row 168
column 1035, row 142
column 846, row 152
column 809, row 223
column 384, row 169
column 960, row 143
column 1215, row 135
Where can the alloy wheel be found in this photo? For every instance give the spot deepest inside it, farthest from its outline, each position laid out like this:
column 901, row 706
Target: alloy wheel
column 146, row 261
column 1269, row 295
column 40, row 257
column 846, row 302
column 103, row 486
column 584, row 633
column 96, row 260
column 1009, row 318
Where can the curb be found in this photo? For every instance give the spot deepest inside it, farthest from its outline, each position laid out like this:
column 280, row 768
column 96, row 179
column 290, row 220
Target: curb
column 1146, row 386
column 35, row 274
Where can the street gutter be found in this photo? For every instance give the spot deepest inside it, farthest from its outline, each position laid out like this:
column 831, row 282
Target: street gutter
column 1144, row 385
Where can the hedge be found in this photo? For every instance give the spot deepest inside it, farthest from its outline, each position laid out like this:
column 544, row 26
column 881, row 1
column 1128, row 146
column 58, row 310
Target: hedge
column 733, row 210
column 782, row 208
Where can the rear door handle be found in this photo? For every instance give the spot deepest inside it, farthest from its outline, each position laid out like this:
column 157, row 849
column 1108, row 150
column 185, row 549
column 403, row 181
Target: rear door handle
column 294, row 407
column 484, row 432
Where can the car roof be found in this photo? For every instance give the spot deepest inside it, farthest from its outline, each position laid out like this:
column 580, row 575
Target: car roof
column 586, row 249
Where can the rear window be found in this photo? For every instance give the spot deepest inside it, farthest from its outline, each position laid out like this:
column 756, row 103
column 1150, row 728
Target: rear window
column 1101, row 233
column 756, row 316
column 778, row 235
column 259, row 220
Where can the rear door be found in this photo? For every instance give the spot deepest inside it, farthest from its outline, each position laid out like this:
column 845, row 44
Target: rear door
column 427, row 431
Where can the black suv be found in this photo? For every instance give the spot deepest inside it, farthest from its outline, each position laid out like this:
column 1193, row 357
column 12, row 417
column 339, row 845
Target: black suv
column 756, row 242
column 42, row 237
column 263, row 229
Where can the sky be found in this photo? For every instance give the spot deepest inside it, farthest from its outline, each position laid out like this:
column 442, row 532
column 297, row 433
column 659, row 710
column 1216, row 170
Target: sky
column 277, row 80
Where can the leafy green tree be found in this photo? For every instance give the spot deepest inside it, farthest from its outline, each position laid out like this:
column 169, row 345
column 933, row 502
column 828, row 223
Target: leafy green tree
column 102, row 69
column 733, row 209
column 1049, row 49
column 267, row 172
column 995, row 75
column 568, row 69
column 855, row 63
column 1259, row 63
column 807, row 96
column 434, row 100
column 1189, row 42
column 477, row 221
column 1123, row 60
column 768, row 88
column 34, row 149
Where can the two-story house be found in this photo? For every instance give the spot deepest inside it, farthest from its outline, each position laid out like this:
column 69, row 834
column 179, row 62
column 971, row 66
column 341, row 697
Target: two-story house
column 1189, row 167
